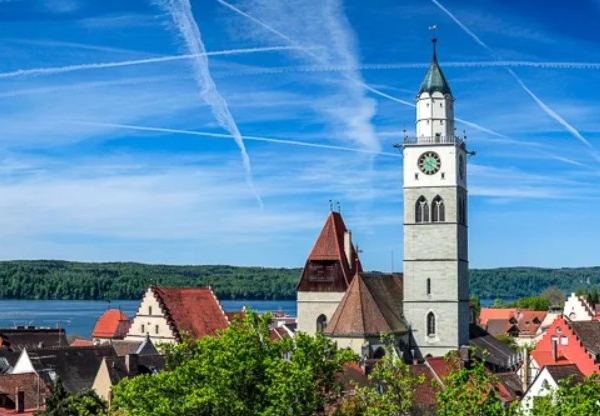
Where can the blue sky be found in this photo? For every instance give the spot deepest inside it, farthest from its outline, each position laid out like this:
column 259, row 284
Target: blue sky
column 116, row 144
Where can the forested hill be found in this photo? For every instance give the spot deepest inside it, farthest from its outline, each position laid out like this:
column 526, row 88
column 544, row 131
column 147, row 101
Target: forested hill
column 51, row 279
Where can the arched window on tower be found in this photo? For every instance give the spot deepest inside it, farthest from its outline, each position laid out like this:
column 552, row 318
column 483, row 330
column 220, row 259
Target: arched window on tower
column 437, row 207
column 321, row 323
column 422, row 210
column 430, row 324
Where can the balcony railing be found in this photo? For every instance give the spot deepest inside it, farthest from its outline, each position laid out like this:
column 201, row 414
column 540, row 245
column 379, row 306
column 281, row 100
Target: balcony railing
column 412, row 140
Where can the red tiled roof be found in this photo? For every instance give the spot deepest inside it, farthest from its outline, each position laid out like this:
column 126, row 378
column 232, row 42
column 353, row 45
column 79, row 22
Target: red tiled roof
column 231, row 316
column 82, row 343
column 371, row 306
column 495, row 313
column 330, row 248
column 425, row 393
column 543, row 358
column 193, row 310
column 279, row 333
column 112, row 324
column 441, row 367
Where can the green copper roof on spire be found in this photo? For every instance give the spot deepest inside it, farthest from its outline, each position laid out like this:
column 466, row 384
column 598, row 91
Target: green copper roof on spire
column 435, row 80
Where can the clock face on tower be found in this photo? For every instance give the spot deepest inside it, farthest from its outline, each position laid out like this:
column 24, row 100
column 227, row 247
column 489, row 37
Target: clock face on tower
column 429, row 163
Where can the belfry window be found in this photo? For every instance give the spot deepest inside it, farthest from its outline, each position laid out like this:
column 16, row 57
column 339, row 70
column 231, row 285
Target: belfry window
column 430, row 324
column 422, row 210
column 437, row 207
column 321, row 323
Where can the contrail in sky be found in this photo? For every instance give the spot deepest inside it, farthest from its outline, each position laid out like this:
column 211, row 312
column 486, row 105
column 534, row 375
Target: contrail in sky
column 538, row 101
column 183, row 18
column 229, row 136
column 102, row 65
column 285, row 37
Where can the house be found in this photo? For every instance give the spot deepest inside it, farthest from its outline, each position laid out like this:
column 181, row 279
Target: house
column 522, row 324
column 166, row 313
column 76, row 366
column 564, row 343
column 547, row 381
column 145, row 359
column 22, row 394
column 113, row 324
column 22, row 337
column 577, row 308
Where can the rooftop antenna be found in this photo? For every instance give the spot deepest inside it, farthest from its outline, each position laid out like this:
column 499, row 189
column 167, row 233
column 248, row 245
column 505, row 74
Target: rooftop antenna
column 339, row 207
column 330, row 205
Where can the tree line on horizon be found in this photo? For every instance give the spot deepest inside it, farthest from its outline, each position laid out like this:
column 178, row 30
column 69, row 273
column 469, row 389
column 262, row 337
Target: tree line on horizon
column 65, row 280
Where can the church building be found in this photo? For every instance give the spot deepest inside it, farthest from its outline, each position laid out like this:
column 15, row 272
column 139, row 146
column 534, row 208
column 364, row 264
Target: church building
column 426, row 308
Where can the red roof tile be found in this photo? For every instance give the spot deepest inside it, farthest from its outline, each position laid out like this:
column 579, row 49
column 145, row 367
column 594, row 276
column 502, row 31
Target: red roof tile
column 279, row 333
column 112, row 324
column 193, row 310
column 329, row 253
column 543, row 358
column 495, row 313
column 425, row 393
column 82, row 343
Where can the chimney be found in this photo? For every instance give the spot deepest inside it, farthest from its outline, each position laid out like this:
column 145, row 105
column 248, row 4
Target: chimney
column 348, row 247
column 555, row 349
column 20, row 402
column 525, row 370
column 131, row 364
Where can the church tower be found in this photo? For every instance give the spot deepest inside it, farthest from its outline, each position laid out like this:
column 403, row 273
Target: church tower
column 436, row 280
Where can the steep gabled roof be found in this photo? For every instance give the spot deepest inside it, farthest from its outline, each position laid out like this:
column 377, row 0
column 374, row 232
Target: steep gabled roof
column 563, row 372
column 371, row 306
column 193, row 310
column 112, row 324
column 76, row 366
column 329, row 253
column 588, row 333
column 435, row 81
column 488, row 348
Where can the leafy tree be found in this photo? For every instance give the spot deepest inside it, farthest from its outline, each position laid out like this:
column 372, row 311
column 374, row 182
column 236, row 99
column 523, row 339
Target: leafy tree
column 570, row 399
column 508, row 340
column 240, row 372
column 469, row 390
column 554, row 295
column 62, row 403
column 476, row 306
column 392, row 392
column 593, row 297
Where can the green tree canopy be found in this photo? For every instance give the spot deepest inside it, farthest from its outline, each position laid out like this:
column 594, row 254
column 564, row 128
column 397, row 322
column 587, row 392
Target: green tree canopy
column 469, row 391
column 240, row 372
column 392, row 389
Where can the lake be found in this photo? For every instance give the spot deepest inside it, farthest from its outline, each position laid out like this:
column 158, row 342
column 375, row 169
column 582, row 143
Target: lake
column 78, row 317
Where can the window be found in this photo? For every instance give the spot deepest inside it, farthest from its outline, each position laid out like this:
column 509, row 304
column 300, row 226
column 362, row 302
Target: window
column 437, row 207
column 321, row 323
column 461, row 212
column 428, row 286
column 149, row 310
column 564, row 340
column 143, row 329
column 156, row 329
column 422, row 210
column 430, row 324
